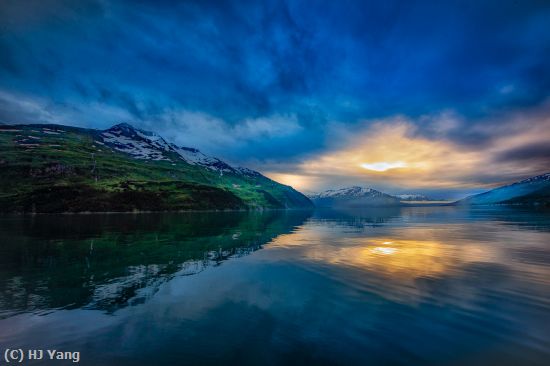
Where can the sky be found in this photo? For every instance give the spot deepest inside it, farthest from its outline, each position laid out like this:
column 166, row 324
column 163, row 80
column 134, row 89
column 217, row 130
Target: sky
column 445, row 98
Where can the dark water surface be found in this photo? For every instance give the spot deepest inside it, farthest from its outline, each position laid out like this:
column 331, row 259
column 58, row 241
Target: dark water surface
column 428, row 285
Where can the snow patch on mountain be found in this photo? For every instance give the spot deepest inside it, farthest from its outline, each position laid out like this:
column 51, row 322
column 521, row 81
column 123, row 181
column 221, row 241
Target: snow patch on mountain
column 195, row 157
column 247, row 172
column 413, row 197
column 538, row 178
column 133, row 144
column 353, row 197
column 346, row 192
column 151, row 146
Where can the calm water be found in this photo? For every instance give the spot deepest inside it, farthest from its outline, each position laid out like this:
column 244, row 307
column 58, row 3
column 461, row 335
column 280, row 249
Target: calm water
column 431, row 285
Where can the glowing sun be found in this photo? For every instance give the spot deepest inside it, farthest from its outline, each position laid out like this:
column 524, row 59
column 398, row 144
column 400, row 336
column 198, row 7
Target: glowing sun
column 383, row 166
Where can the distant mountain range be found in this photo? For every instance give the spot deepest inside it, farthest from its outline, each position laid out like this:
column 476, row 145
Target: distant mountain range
column 414, row 197
column 531, row 191
column 53, row 168
column 353, row 197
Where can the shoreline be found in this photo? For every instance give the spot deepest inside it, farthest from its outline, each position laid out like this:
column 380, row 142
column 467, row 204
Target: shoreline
column 140, row 212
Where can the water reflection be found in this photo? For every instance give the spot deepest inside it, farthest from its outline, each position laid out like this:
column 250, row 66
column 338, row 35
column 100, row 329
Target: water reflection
column 358, row 217
column 415, row 285
column 111, row 261
column 398, row 259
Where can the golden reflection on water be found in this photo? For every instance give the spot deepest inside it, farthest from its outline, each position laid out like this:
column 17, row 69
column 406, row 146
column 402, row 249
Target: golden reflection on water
column 396, row 258
column 389, row 263
column 406, row 253
column 382, row 250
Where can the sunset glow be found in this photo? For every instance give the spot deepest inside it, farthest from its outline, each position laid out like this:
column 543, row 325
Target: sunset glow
column 315, row 104
column 382, row 166
column 393, row 152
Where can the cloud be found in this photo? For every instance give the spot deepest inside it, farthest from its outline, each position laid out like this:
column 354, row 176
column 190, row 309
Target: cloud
column 216, row 136
column 238, row 61
column 15, row 110
column 400, row 153
column 21, row 108
column 539, row 151
column 417, row 161
column 260, row 82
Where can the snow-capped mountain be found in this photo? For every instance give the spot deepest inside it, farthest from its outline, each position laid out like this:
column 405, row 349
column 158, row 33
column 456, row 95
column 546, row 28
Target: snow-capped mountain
column 140, row 144
column 195, row 157
column 345, row 192
column 534, row 190
column 414, row 197
column 353, row 197
column 124, row 168
column 150, row 146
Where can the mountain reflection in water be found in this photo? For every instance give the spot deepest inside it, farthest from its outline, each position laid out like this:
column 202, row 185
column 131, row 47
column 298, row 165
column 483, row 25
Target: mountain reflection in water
column 110, row 261
column 415, row 285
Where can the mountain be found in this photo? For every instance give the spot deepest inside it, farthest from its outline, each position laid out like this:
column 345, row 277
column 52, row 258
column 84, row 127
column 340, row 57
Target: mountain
column 353, row 197
column 53, row 168
column 413, row 197
column 534, row 190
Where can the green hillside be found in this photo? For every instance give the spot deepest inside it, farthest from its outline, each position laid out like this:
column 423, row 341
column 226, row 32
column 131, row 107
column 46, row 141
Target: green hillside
column 52, row 168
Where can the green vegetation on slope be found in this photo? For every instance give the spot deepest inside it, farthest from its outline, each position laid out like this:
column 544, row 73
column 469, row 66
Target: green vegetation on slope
column 50, row 168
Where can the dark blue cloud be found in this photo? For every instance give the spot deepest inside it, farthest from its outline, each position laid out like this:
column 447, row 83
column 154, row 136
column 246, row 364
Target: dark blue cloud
column 315, row 60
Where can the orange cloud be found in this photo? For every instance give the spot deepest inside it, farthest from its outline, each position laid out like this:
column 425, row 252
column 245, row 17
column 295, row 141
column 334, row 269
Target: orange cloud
column 394, row 152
